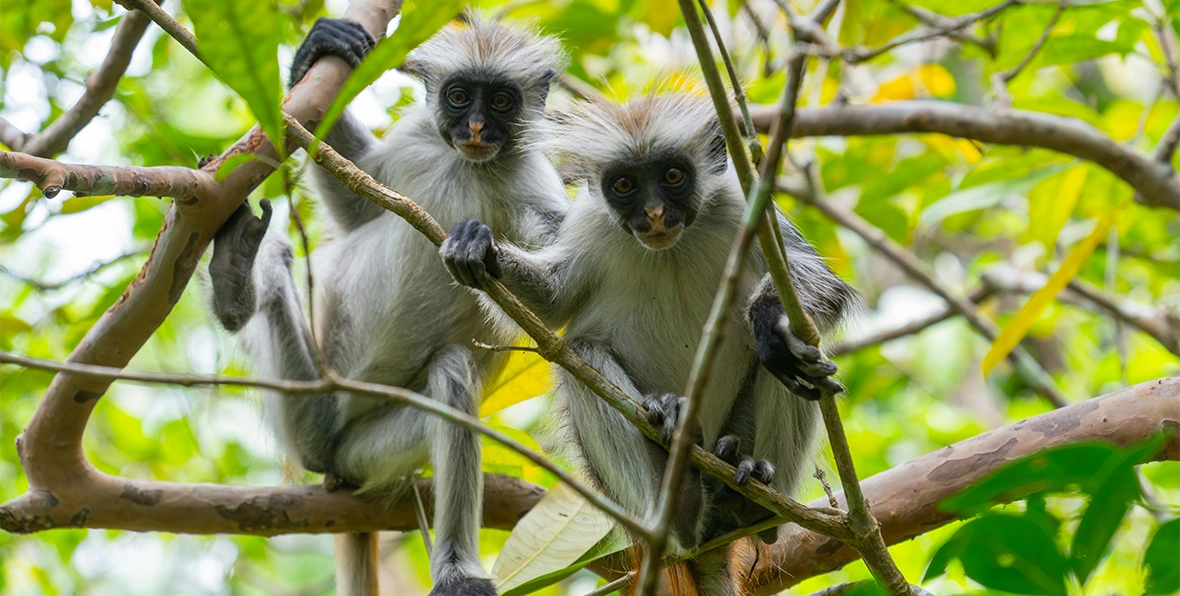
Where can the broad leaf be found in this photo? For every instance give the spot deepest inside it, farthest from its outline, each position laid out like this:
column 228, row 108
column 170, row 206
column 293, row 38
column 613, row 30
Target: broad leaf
column 1162, row 560
column 1050, row 204
column 1053, row 470
column 419, row 20
column 1008, row 553
column 240, row 42
column 552, row 536
column 984, row 196
column 525, row 376
column 1109, row 503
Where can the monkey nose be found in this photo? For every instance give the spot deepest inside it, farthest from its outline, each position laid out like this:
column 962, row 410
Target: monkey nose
column 476, row 129
column 656, row 216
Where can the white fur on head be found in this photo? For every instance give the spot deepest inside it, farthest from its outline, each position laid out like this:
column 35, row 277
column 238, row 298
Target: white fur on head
column 594, row 134
column 492, row 50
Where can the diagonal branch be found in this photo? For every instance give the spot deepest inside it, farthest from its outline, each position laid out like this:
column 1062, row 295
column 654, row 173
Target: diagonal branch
column 1157, row 184
column 100, row 87
column 42, row 286
column 165, row 21
column 1026, row 366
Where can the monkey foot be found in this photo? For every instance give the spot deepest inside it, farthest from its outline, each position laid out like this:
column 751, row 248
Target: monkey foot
column 465, row 586
column 231, row 268
column 663, row 412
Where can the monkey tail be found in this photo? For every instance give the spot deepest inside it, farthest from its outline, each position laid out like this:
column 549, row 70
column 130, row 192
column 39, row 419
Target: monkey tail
column 356, row 564
column 675, row 580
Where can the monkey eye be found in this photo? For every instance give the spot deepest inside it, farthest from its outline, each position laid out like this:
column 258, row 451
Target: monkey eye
column 458, row 98
column 673, row 176
column 502, row 101
column 623, row 185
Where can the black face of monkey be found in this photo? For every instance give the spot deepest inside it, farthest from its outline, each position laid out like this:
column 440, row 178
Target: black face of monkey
column 654, row 199
column 478, row 116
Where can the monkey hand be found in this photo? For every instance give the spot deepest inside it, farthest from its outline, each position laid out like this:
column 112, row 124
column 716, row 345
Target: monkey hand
column 663, row 412
column 345, row 39
column 801, row 367
column 470, row 253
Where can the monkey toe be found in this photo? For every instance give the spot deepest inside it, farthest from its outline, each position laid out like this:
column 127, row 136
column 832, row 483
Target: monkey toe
column 727, row 449
column 464, row 586
column 663, row 412
column 754, row 469
column 235, row 247
column 333, row 483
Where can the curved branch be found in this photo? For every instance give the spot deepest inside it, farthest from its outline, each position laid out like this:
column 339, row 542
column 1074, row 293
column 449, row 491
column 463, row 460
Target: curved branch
column 905, row 498
column 1157, row 184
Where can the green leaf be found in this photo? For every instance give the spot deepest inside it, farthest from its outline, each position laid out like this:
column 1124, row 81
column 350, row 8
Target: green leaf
column 1109, row 503
column 1028, row 314
column 419, row 20
column 1008, row 553
column 240, row 43
column 1051, row 203
column 1052, row 470
column 1162, row 559
column 984, row 196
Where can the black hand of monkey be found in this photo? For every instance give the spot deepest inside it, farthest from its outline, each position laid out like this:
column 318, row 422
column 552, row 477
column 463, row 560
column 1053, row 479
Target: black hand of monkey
column 470, row 253
column 799, row 366
column 346, row 39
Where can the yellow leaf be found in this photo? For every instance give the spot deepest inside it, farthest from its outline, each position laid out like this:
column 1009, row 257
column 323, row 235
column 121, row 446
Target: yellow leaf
column 897, row 89
column 937, row 79
column 1051, row 202
column 525, row 376
column 1038, row 302
column 497, row 455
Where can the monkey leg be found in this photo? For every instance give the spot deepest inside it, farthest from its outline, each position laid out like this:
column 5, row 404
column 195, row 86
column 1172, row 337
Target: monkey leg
column 623, row 463
column 383, row 447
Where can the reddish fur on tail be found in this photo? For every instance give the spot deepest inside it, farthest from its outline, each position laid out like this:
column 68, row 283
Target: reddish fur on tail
column 356, row 564
column 676, row 580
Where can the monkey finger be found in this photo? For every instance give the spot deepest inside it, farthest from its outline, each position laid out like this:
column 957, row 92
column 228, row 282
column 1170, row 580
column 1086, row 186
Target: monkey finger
column 745, row 470
column 822, row 368
column 797, row 388
column 763, row 471
column 727, row 449
column 802, row 350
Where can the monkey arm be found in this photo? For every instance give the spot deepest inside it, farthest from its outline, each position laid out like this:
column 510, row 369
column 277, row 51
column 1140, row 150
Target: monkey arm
column 351, row 139
column 823, row 295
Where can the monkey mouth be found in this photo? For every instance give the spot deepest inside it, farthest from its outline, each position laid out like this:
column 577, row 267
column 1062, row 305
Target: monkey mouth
column 477, row 152
column 661, row 240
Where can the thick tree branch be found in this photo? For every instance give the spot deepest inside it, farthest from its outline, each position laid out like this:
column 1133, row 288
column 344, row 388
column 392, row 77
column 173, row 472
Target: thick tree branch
column 100, row 87
column 1157, row 184
column 165, row 21
column 905, row 498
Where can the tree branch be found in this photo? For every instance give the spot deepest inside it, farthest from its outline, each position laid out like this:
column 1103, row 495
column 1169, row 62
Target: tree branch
column 100, row 87
column 42, row 286
column 174, row 29
column 847, row 347
column 11, row 136
column 905, row 498
column 1026, row 366
column 1157, row 184
column 186, row 185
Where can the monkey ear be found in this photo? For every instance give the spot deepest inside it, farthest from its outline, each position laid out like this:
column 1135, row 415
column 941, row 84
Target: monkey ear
column 413, row 67
column 718, row 158
column 544, row 82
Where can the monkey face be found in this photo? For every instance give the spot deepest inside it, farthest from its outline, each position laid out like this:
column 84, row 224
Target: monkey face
column 478, row 116
column 654, row 199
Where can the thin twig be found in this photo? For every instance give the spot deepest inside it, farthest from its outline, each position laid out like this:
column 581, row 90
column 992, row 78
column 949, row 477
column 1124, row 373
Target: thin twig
column 1168, row 143
column 823, row 480
column 41, row 286
column 393, row 394
column 1026, row 366
column 167, row 23
column 933, row 19
column 847, row 347
column 947, row 29
column 423, row 525
column 483, row 346
column 1000, row 80
column 739, row 95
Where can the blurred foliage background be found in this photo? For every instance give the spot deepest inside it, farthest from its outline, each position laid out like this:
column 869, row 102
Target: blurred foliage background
column 966, row 209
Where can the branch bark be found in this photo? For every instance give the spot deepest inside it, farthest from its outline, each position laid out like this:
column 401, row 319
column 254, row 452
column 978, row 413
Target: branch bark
column 186, row 185
column 1157, row 184
column 905, row 498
